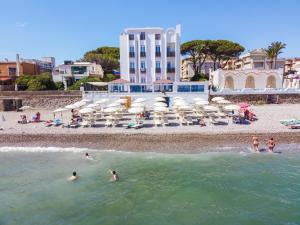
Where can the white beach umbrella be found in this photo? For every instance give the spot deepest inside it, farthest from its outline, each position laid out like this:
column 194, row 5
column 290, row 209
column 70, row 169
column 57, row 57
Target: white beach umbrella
column 160, row 104
column 198, row 99
column 110, row 110
column 60, row 110
column 178, row 97
column 216, row 99
column 160, row 109
column 86, row 100
column 180, row 103
column 184, row 108
column 92, row 106
column 121, row 101
column 102, row 101
column 79, row 104
column 136, row 110
column 231, row 107
column 25, row 107
column 72, row 106
column 138, row 104
column 86, row 110
column 160, row 99
column 224, row 102
column 114, row 104
column 210, row 108
column 139, row 100
column 202, row 103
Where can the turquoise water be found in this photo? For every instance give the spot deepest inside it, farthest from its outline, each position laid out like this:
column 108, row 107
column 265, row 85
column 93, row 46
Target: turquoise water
column 210, row 188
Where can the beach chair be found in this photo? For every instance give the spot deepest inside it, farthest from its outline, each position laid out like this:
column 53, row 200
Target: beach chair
column 56, row 122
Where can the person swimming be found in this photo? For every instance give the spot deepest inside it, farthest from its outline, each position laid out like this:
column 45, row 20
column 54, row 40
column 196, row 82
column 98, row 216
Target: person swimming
column 271, row 144
column 87, row 156
column 73, row 177
column 255, row 143
column 115, row 176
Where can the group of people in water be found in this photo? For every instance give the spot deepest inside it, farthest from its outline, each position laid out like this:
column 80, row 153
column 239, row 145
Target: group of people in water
column 114, row 175
column 270, row 144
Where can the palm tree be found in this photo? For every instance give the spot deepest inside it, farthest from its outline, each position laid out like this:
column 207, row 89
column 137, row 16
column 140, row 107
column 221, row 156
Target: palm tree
column 274, row 50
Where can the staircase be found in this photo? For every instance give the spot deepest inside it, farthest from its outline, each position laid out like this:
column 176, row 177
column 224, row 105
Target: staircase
column 272, row 99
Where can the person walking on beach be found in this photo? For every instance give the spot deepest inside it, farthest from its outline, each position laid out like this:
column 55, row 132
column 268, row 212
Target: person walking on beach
column 255, row 143
column 73, row 177
column 271, row 144
column 115, row 176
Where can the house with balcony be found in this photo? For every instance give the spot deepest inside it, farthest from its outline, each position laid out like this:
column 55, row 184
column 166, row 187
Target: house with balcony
column 70, row 72
column 148, row 55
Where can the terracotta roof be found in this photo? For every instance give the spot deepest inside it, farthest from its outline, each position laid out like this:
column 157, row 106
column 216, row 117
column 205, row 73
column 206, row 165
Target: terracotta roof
column 119, row 81
column 163, row 82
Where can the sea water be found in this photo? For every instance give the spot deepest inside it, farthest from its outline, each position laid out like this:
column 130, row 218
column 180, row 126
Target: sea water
column 208, row 188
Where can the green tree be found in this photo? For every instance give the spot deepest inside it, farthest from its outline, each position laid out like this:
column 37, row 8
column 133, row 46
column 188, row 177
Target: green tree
column 223, row 50
column 36, row 85
column 273, row 51
column 59, row 85
column 197, row 51
column 199, row 77
column 77, row 84
column 22, row 82
column 107, row 57
column 109, row 77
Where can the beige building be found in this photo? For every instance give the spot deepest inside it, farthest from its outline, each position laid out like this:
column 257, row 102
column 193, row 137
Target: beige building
column 292, row 66
column 254, row 60
column 187, row 71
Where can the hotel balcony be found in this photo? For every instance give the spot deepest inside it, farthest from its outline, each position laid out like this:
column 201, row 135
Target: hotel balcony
column 132, row 70
column 158, row 54
column 170, row 70
column 143, row 54
column 143, row 70
column 170, row 54
column 157, row 70
column 131, row 54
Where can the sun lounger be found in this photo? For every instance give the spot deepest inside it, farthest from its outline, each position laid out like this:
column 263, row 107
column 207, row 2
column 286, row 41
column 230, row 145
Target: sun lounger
column 294, row 126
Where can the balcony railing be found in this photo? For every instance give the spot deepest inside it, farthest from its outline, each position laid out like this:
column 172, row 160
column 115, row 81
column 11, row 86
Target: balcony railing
column 157, row 54
column 143, row 70
column 170, row 54
column 132, row 70
column 170, row 70
column 131, row 54
column 143, row 54
column 158, row 70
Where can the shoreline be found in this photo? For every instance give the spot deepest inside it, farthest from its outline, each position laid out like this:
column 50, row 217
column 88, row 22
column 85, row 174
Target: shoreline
column 160, row 143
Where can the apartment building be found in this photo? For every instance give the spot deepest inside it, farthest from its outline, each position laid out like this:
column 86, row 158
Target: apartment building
column 149, row 54
column 256, row 59
column 292, row 65
column 70, row 72
column 45, row 64
column 187, row 71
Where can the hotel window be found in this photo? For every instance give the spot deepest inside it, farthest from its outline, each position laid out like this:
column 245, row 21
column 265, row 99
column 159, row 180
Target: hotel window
column 169, row 65
column 132, row 80
column 157, row 48
column 131, row 49
column 142, row 36
column 143, row 48
column 143, row 65
column 157, row 78
column 131, row 37
column 157, row 36
column 143, row 80
column 157, row 64
column 131, row 65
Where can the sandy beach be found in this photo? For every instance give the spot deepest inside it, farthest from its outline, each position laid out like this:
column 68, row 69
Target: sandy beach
column 171, row 139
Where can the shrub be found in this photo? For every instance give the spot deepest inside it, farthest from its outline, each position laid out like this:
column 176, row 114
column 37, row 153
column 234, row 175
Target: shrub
column 77, row 84
column 59, row 85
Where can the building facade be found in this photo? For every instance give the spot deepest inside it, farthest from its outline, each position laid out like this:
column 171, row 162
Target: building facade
column 292, row 66
column 45, row 64
column 247, row 79
column 254, row 60
column 150, row 54
column 70, row 72
column 187, row 71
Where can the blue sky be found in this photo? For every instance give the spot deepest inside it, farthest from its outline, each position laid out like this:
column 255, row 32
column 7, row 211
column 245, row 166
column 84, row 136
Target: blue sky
column 66, row 29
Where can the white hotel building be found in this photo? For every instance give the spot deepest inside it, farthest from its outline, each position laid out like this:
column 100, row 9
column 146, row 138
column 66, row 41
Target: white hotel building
column 150, row 54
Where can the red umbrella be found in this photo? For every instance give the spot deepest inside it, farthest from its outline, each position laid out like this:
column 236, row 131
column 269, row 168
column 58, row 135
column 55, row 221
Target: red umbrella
column 244, row 105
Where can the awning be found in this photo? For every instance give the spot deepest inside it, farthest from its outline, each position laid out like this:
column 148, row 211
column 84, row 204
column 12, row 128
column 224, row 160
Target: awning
column 5, row 78
column 163, row 82
column 119, row 81
column 98, row 84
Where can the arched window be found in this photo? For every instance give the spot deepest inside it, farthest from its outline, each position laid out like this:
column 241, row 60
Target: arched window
column 229, row 83
column 250, row 82
column 271, row 82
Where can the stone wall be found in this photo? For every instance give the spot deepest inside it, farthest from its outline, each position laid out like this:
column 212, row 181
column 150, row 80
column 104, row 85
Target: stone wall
column 42, row 99
column 262, row 98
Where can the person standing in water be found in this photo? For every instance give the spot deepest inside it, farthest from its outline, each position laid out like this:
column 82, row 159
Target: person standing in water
column 115, row 176
column 73, row 177
column 255, row 143
column 271, row 144
column 87, row 156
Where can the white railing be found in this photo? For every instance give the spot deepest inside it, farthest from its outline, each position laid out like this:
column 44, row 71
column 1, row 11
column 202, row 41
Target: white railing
column 256, row 91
